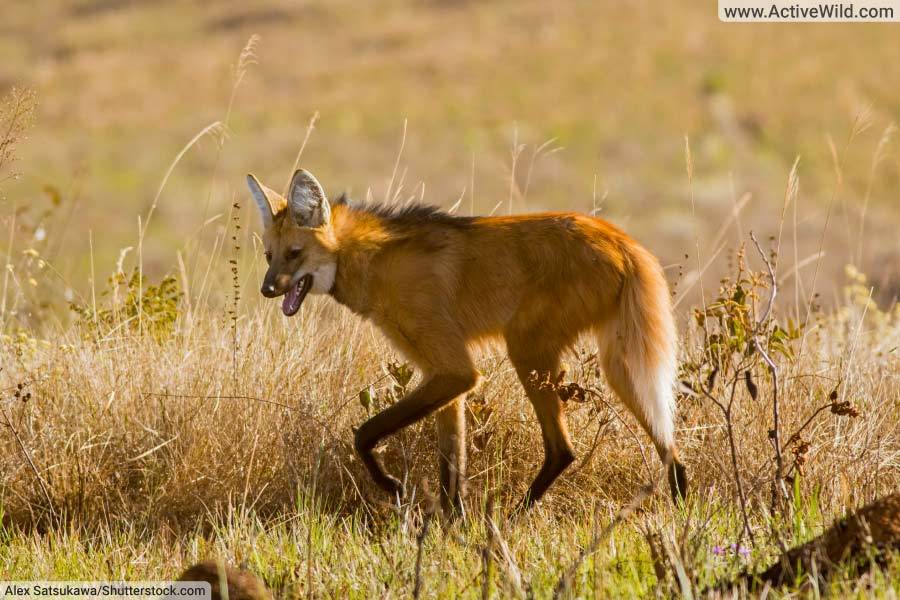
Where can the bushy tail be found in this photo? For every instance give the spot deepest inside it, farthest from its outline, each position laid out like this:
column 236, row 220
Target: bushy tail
column 639, row 348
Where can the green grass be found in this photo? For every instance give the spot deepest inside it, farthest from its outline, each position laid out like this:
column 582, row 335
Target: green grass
column 356, row 556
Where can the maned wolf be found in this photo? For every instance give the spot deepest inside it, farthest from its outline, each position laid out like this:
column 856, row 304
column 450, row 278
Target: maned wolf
column 437, row 284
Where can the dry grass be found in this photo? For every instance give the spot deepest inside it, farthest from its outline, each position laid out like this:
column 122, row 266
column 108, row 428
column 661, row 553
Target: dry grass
column 156, row 425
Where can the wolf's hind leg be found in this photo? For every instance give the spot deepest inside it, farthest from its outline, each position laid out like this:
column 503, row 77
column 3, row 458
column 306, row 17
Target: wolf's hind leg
column 558, row 452
column 451, row 435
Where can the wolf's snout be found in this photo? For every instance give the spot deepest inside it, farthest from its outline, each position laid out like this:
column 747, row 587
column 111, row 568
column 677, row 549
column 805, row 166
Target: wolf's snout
column 268, row 290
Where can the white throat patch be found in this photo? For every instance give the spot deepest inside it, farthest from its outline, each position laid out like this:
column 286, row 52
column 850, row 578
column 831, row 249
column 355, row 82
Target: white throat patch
column 323, row 279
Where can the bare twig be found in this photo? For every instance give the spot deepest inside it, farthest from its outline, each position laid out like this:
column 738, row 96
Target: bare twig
column 637, row 439
column 771, row 269
column 775, row 433
column 594, row 445
column 732, row 446
column 796, row 435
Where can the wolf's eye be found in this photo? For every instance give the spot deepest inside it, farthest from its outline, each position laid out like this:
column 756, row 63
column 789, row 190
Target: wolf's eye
column 293, row 253
column 268, row 256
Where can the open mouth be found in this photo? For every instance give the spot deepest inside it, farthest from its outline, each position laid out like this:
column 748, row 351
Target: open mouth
column 294, row 296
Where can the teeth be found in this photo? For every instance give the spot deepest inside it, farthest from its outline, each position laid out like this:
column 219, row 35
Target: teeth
column 295, row 295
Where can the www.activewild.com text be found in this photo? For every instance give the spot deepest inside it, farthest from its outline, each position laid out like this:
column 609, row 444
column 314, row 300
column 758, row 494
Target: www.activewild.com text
column 818, row 11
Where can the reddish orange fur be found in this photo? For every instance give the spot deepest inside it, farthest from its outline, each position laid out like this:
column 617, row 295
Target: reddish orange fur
column 436, row 285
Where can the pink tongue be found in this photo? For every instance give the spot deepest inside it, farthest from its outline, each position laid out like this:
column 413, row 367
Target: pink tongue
column 291, row 301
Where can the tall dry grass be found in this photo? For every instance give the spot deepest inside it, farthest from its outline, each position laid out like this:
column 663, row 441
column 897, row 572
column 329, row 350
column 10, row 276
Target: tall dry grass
column 128, row 427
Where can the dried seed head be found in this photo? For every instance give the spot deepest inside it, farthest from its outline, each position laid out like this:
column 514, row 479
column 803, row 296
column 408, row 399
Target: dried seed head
column 844, row 409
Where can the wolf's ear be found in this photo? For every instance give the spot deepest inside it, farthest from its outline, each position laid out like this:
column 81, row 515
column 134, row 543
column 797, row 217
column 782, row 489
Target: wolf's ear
column 307, row 200
column 268, row 201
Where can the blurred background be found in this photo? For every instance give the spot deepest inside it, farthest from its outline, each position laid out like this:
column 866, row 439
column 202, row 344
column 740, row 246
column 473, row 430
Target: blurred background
column 679, row 128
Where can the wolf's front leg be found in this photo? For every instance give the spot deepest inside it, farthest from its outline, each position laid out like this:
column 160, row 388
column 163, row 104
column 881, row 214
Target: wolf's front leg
column 435, row 392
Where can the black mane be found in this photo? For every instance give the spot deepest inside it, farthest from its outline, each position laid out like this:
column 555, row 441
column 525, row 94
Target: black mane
column 413, row 214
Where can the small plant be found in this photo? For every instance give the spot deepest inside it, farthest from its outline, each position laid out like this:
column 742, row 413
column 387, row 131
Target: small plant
column 134, row 306
column 739, row 337
column 400, row 374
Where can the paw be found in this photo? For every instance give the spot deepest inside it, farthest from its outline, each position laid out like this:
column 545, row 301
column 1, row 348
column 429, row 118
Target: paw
column 390, row 484
column 678, row 482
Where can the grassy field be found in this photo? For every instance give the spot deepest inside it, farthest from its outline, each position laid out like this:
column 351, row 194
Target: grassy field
column 205, row 438
column 155, row 450
column 152, row 422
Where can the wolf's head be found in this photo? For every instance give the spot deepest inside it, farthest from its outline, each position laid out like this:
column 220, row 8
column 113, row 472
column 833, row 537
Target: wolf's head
column 298, row 240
